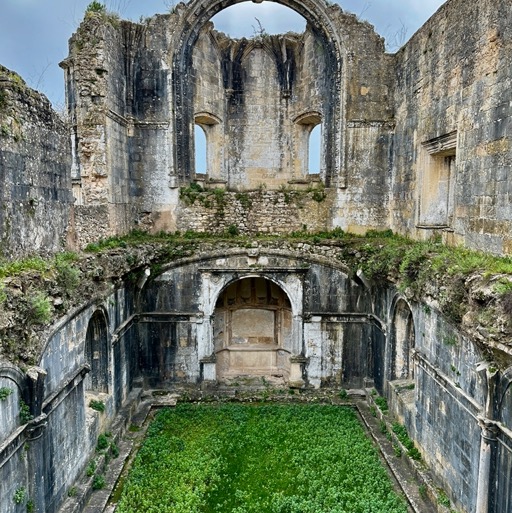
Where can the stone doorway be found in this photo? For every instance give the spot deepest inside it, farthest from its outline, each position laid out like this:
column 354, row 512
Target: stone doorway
column 253, row 332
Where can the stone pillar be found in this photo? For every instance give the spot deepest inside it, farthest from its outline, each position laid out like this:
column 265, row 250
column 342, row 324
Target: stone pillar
column 487, row 451
column 297, row 370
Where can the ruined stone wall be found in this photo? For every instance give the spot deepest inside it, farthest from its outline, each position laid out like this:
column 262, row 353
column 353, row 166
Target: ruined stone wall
column 35, row 186
column 260, row 211
column 257, row 101
column 452, row 154
column 134, row 112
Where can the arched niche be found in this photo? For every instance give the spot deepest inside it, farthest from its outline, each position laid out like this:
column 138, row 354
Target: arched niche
column 193, row 18
column 12, row 388
column 96, row 353
column 401, row 342
column 252, row 332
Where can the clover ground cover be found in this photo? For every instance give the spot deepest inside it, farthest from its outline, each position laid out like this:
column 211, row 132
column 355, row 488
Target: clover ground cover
column 234, row 458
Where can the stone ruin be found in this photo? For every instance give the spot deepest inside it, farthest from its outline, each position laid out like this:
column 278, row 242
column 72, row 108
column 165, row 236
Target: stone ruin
column 418, row 142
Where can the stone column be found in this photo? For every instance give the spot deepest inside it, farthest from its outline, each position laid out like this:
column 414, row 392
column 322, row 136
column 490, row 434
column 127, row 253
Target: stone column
column 487, row 451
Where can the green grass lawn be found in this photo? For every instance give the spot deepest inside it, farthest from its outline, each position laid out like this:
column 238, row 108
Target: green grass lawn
column 234, row 458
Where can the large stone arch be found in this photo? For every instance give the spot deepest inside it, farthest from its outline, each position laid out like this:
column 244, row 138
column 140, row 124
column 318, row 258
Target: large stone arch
column 213, row 284
column 13, row 386
column 193, row 17
column 253, row 330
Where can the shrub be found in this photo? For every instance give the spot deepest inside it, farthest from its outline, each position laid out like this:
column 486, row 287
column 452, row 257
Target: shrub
column 102, row 443
column 97, row 405
column 96, row 6
column 40, row 308
column 114, row 450
column 25, row 415
column 91, row 468
column 98, row 482
column 232, row 230
column 20, row 495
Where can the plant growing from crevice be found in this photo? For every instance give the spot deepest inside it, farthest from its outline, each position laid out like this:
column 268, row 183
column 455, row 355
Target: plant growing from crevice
column 91, row 468
column 382, row 403
column 98, row 482
column 403, row 437
column 442, row 498
column 68, row 276
column 96, row 6
column 39, row 308
column 97, row 405
column 24, row 412
column 5, row 392
column 20, row 495
column 103, row 442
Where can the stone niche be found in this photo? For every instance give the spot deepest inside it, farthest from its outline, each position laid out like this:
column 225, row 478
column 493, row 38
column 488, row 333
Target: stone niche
column 252, row 331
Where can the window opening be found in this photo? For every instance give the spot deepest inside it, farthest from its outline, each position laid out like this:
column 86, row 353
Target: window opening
column 201, row 150
column 315, row 150
column 249, row 19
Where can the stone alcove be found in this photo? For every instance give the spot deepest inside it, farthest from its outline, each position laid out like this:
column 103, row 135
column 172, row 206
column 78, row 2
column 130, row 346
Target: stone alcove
column 253, row 331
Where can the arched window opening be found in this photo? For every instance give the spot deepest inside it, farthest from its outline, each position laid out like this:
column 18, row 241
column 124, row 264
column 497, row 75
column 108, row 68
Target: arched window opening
column 201, row 150
column 315, row 150
column 96, row 353
column 250, row 19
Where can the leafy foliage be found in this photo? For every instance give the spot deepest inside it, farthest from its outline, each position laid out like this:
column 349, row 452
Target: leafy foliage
column 40, row 308
column 5, row 392
column 382, row 403
column 25, row 415
column 96, row 6
column 97, row 405
column 20, row 495
column 272, row 458
column 403, row 437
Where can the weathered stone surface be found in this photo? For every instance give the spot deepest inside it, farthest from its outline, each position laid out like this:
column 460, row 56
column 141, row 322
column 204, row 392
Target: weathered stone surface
column 418, row 142
column 35, row 186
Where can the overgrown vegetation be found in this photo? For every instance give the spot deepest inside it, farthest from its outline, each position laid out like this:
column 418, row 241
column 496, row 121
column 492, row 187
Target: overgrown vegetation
column 50, row 286
column 39, row 309
column 382, row 403
column 229, row 458
column 403, row 438
column 96, row 6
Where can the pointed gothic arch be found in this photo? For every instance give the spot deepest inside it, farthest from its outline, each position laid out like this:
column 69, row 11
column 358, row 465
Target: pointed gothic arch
column 194, row 17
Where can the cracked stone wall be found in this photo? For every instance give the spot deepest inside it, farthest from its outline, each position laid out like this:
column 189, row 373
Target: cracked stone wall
column 35, row 186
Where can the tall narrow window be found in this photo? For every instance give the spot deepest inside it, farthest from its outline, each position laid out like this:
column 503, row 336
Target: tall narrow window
column 310, row 145
column 201, row 151
column 315, row 150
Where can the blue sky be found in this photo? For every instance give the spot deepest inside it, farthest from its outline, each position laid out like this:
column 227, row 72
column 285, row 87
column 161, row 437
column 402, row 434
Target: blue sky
column 34, row 33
